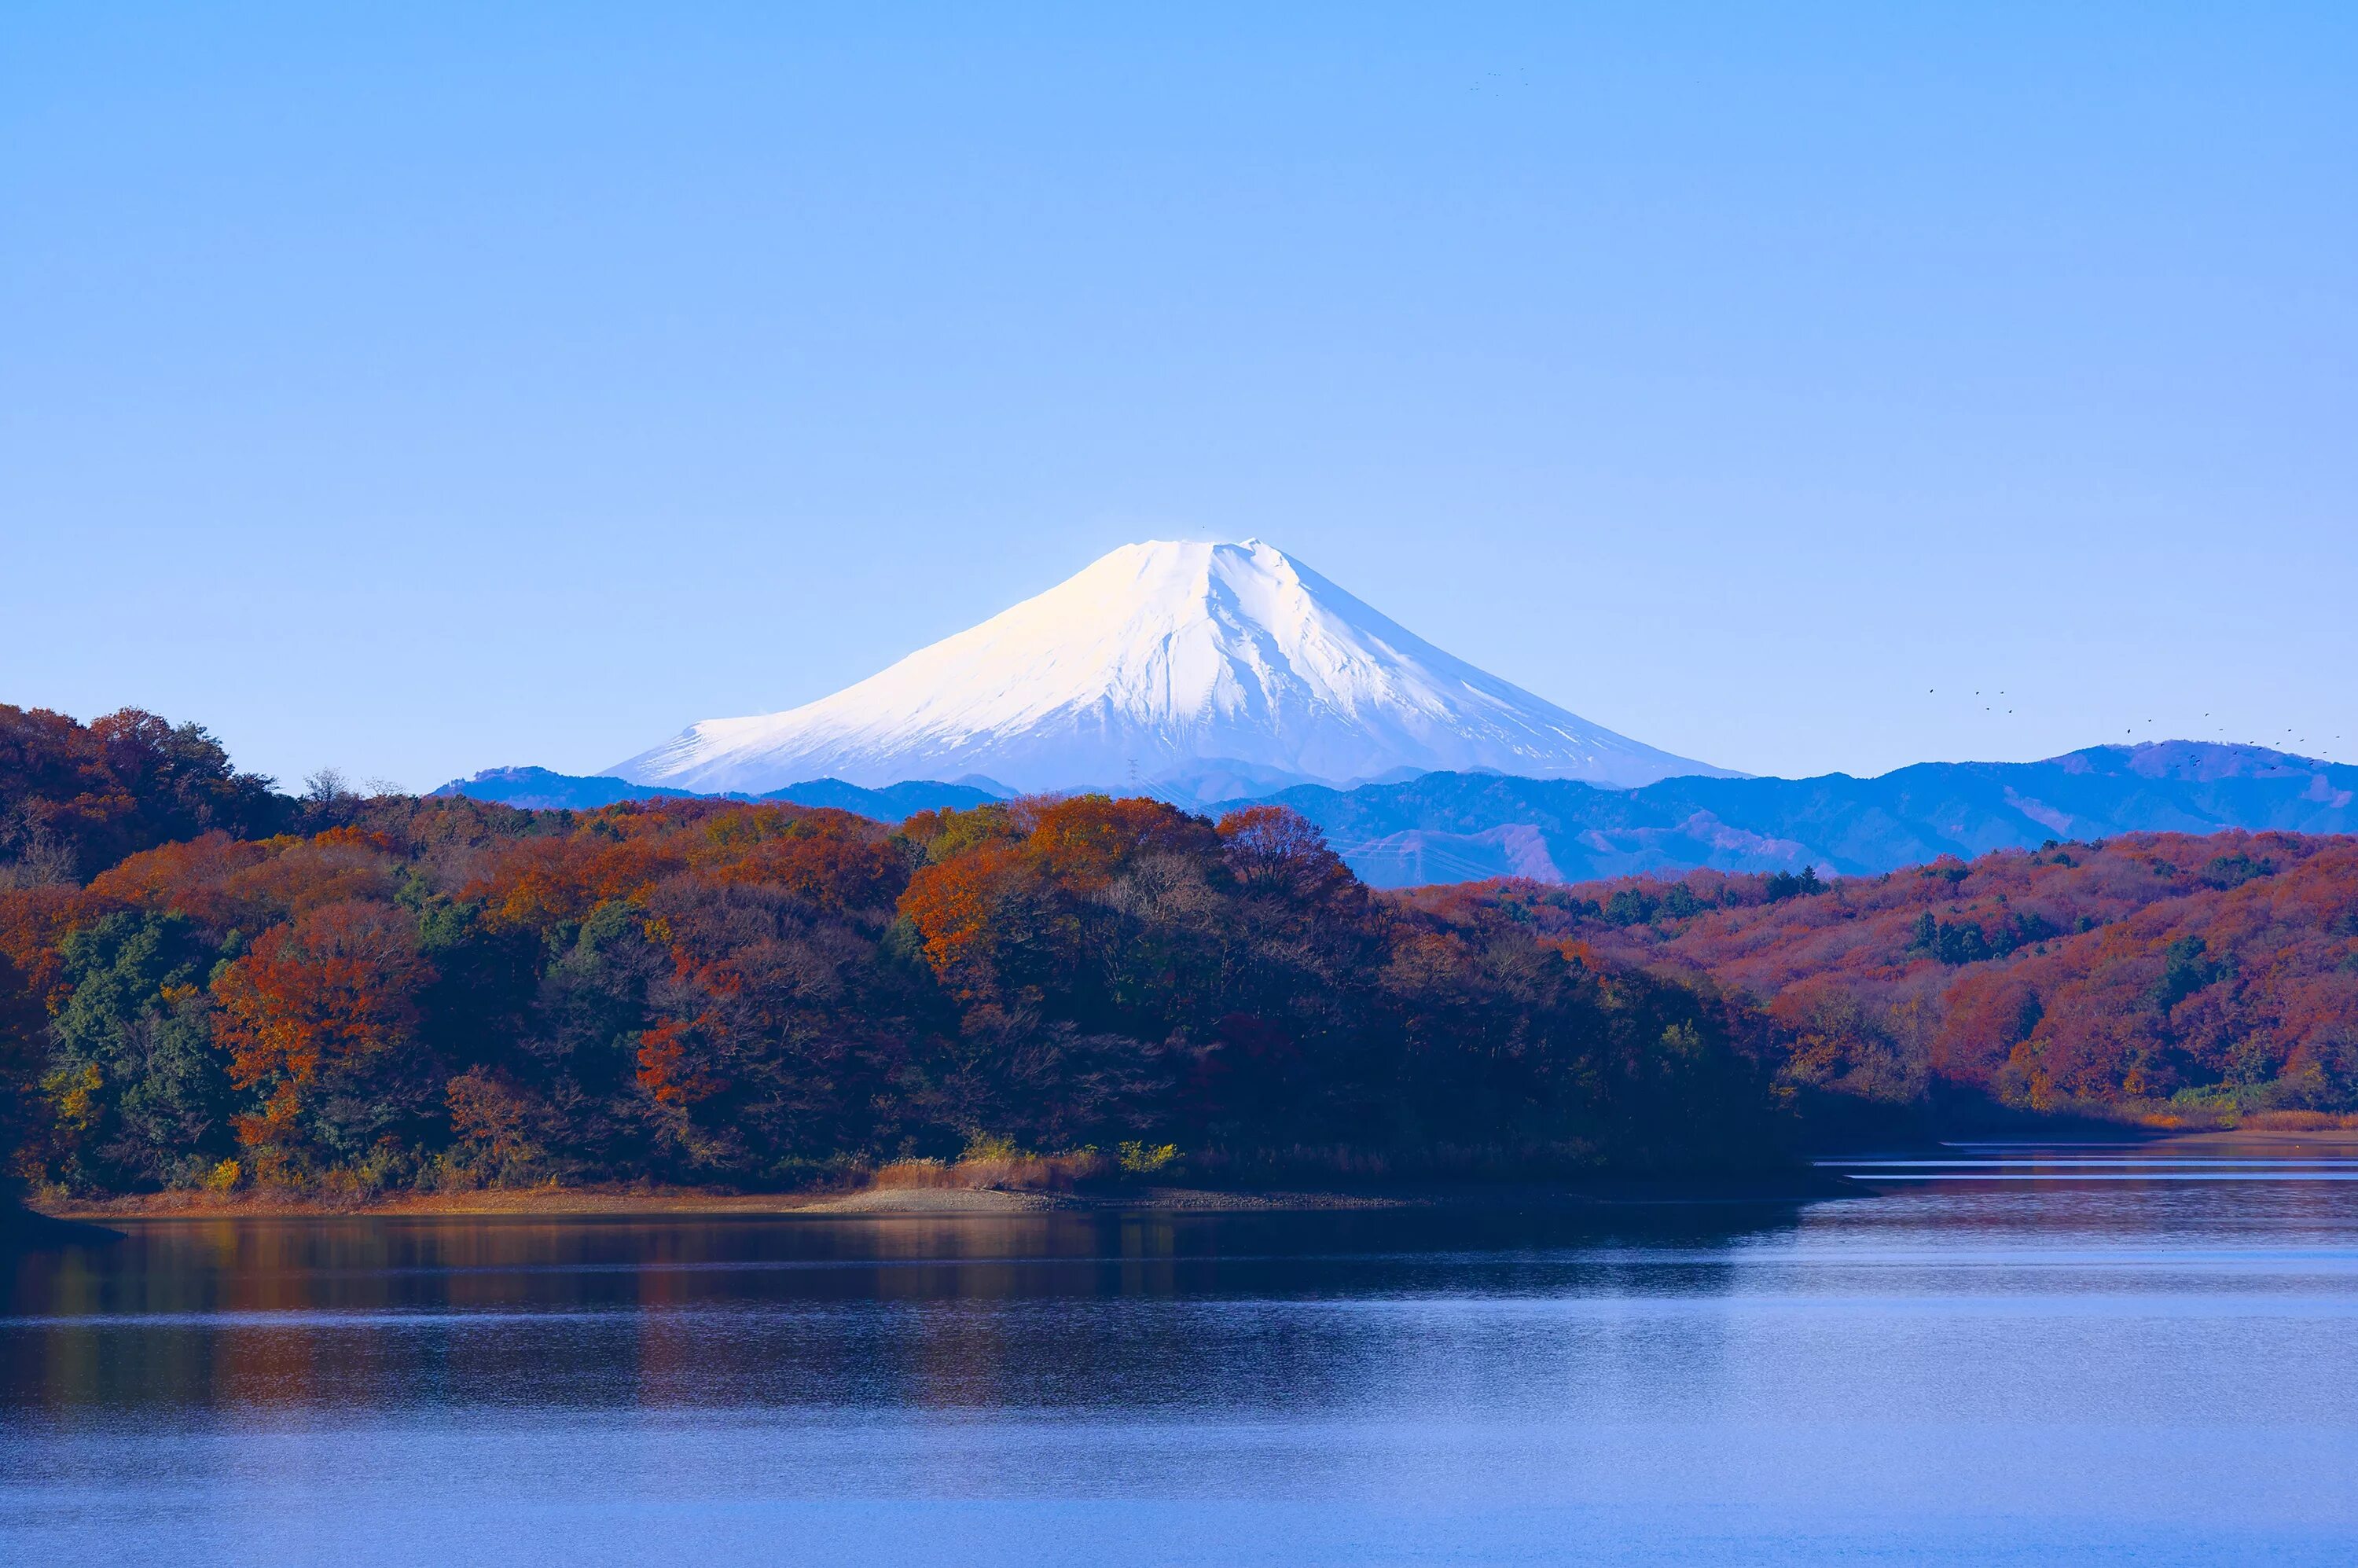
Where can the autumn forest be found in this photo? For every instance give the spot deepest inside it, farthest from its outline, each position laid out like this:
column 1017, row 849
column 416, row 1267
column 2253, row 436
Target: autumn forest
column 207, row 983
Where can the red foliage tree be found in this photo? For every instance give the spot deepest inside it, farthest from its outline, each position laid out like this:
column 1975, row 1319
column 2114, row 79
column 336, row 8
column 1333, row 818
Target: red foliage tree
column 325, row 1005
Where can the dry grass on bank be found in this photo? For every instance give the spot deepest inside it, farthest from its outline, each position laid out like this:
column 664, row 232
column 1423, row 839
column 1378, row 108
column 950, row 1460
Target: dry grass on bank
column 1015, row 1173
column 2244, row 1122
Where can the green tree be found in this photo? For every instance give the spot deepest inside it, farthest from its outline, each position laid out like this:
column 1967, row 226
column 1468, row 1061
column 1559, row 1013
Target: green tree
column 139, row 1094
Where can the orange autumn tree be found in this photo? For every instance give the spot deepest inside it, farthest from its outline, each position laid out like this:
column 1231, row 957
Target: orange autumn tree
column 318, row 1020
column 959, row 908
column 1010, row 899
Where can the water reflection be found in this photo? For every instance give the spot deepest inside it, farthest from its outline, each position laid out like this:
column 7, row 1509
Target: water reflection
column 1052, row 1309
column 2075, row 1362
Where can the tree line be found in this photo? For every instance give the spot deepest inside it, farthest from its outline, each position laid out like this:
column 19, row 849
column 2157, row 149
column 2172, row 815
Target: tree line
column 206, row 983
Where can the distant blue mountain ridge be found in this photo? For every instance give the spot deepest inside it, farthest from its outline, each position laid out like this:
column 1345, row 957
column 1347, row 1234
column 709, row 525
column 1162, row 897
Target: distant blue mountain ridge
column 1467, row 827
column 538, row 789
column 1449, row 826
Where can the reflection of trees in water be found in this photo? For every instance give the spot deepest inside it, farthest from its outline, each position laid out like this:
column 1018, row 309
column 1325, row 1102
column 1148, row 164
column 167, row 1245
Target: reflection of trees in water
column 2166, row 1191
column 1054, row 1311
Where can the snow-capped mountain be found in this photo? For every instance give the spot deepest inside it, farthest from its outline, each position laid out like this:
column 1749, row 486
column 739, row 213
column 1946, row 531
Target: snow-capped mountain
column 1218, row 668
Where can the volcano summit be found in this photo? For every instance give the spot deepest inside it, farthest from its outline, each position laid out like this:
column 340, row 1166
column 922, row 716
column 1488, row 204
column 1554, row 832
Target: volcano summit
column 1218, row 669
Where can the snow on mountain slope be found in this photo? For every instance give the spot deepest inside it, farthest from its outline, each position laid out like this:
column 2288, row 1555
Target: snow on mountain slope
column 1163, row 660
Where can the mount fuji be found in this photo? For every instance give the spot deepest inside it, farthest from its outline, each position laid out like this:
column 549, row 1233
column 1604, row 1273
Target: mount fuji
column 1204, row 669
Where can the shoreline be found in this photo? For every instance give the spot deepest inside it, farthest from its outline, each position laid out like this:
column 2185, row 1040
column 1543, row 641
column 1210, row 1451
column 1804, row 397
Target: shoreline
column 942, row 1202
column 61, row 1218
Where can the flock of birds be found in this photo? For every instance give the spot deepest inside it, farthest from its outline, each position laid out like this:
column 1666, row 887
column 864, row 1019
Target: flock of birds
column 2287, row 739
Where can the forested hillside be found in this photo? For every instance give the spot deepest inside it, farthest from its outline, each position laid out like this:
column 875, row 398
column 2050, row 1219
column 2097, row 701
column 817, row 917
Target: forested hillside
column 345, row 996
column 2167, row 975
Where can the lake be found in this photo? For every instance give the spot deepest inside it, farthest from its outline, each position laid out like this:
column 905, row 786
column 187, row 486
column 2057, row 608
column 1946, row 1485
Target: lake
column 1999, row 1354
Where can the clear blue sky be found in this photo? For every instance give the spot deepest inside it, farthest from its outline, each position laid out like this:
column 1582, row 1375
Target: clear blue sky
column 453, row 386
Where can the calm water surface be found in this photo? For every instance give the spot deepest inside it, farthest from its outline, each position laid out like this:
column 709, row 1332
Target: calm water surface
column 2072, row 1357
